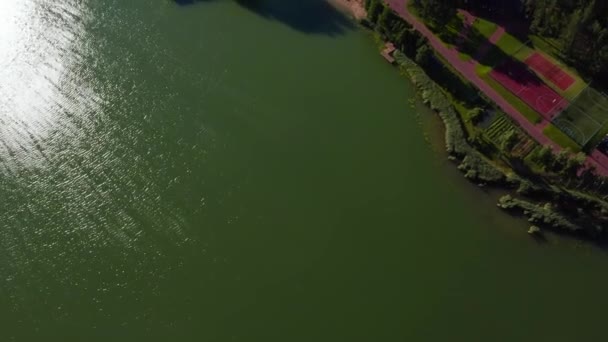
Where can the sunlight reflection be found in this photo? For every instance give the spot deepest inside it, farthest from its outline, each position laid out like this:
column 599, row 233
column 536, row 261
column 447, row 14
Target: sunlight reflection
column 41, row 85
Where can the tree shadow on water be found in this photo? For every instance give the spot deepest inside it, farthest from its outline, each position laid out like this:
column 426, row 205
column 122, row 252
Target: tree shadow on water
column 307, row 16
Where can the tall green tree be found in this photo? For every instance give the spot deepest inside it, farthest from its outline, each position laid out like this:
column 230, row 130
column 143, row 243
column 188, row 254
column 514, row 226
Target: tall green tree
column 424, row 55
column 439, row 12
column 374, row 8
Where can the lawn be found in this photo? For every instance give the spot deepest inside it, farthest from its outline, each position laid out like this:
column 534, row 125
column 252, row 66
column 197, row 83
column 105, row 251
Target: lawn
column 464, row 56
column 555, row 134
column 513, row 46
column 484, row 27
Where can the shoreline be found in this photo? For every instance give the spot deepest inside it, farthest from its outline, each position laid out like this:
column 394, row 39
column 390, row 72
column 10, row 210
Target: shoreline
column 546, row 204
column 354, row 8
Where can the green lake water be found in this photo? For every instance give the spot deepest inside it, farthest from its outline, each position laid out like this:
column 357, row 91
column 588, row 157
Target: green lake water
column 249, row 171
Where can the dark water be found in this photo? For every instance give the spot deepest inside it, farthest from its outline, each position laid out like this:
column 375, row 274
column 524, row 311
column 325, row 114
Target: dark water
column 247, row 171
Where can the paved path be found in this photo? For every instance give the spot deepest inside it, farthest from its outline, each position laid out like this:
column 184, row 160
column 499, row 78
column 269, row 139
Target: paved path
column 467, row 69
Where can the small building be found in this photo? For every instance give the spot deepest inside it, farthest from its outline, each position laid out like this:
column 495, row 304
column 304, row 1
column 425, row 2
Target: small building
column 387, row 53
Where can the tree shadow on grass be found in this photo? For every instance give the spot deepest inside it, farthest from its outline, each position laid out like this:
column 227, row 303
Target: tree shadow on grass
column 494, row 57
column 508, row 14
column 307, row 16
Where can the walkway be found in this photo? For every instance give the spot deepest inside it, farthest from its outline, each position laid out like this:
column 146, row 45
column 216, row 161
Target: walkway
column 467, row 70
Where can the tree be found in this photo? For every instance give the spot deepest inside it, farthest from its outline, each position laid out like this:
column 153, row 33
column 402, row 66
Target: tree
column 424, row 55
column 573, row 164
column 383, row 20
column 545, row 157
column 439, row 12
column 374, row 8
column 582, row 29
column 475, row 114
column 508, row 141
column 587, row 177
column 561, row 160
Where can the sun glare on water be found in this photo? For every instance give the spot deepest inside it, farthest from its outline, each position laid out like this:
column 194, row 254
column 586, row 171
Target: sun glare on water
column 39, row 87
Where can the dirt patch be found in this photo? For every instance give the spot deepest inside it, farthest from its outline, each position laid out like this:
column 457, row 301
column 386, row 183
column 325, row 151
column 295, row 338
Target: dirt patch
column 354, row 8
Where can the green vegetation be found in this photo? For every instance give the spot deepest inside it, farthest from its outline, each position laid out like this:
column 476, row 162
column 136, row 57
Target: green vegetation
column 393, row 28
column 484, row 27
column 512, row 46
column 580, row 28
column 473, row 164
column 571, row 212
column 560, row 138
column 433, row 95
column 545, row 215
column 438, row 13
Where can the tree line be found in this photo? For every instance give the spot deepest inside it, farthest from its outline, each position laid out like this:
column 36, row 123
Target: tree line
column 581, row 27
column 393, row 28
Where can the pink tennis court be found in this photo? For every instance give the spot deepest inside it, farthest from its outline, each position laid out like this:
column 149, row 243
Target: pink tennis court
column 550, row 71
column 520, row 81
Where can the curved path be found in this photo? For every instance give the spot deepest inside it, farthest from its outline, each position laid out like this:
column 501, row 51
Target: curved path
column 467, row 69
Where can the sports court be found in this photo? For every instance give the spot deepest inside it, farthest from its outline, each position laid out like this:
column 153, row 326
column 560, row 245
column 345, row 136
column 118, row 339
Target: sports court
column 585, row 117
column 515, row 77
column 550, row 71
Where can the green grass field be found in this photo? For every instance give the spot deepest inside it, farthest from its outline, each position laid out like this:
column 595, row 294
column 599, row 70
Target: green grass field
column 484, row 27
column 555, row 134
column 513, row 46
column 464, row 56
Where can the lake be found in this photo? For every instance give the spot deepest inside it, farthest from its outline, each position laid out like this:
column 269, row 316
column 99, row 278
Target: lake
column 249, row 171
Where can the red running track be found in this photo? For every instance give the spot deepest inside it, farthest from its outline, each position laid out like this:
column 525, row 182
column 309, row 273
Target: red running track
column 517, row 79
column 550, row 71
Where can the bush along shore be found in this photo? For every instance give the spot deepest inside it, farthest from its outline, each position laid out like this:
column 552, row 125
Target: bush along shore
column 555, row 192
column 472, row 163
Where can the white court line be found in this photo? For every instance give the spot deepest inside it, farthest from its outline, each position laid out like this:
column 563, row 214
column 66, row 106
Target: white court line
column 557, row 103
column 521, row 90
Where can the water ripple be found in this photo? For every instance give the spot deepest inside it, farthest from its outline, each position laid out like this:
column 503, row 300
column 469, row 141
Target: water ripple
column 73, row 179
